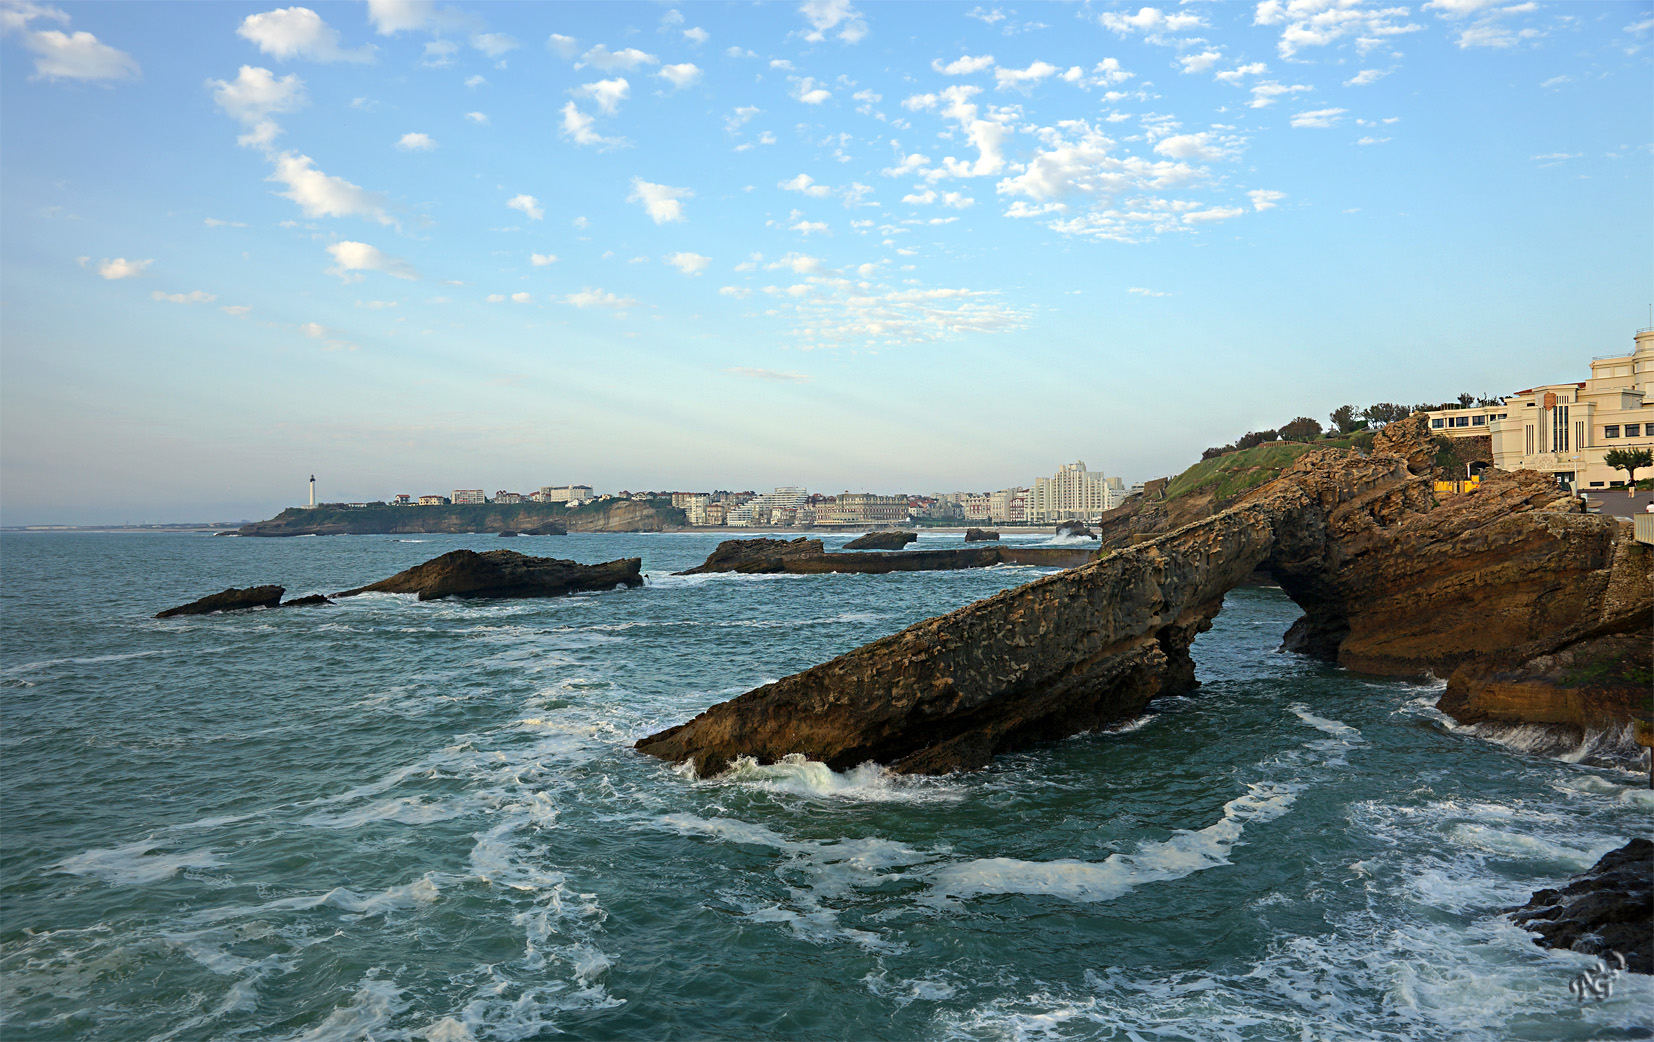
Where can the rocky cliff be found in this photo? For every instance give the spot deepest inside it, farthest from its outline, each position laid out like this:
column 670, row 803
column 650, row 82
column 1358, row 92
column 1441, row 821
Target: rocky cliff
column 504, row 573
column 1390, row 581
column 609, row 515
column 806, row 557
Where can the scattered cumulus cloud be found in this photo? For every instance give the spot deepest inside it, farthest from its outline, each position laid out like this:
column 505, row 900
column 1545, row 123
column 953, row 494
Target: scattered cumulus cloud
column 214, row 222
column 1199, row 62
column 806, row 184
column 1142, row 292
column 59, row 55
column 1022, row 79
column 256, row 94
column 415, row 142
column 681, row 75
column 600, row 57
column 1319, row 23
column 964, row 65
column 121, row 268
column 607, row 93
column 1265, row 198
column 236, row 310
column 581, row 129
column 298, row 32
column 688, row 263
column 193, row 297
column 350, row 258
column 322, row 195
column 1152, row 22
column 1318, row 118
column 661, row 202
column 1486, row 23
column 1366, row 76
column 526, row 205
column 495, row 45
column 696, row 35
column 838, row 17
column 540, row 260
column 600, row 298
column 563, row 46
column 479, row 118
column 808, row 91
column 313, row 330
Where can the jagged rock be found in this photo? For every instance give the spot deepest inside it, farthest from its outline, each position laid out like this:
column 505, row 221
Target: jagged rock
column 980, row 535
column 1411, row 440
column 882, row 541
column 504, row 573
column 805, row 557
column 231, row 599
column 1076, row 529
column 1607, row 908
column 1390, row 582
column 756, row 556
column 315, row 600
column 548, row 528
column 1593, row 683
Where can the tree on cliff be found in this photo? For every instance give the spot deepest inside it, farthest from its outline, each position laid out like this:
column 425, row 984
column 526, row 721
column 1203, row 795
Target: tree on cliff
column 1344, row 419
column 1630, row 461
column 1386, row 412
column 1301, row 429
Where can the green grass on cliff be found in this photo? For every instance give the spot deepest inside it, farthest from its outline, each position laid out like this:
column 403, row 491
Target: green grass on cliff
column 1228, row 476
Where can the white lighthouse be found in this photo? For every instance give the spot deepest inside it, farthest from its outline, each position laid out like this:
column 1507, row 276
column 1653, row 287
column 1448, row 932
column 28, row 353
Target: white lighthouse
column 312, row 491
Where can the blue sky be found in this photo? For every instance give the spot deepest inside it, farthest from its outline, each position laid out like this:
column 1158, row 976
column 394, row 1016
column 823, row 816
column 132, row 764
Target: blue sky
column 413, row 247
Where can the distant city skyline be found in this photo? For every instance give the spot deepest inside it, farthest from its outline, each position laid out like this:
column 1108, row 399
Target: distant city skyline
column 414, row 246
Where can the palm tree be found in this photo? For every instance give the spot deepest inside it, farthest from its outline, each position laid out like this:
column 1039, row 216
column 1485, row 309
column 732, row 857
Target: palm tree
column 1630, row 461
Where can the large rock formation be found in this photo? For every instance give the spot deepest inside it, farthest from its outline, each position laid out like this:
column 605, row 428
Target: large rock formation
column 882, row 541
column 1391, row 582
column 1075, row 530
column 981, row 535
column 611, row 515
column 1607, row 908
column 504, row 573
column 806, row 557
column 231, row 599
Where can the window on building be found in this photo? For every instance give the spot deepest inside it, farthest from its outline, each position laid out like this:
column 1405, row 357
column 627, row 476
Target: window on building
column 1436, row 424
column 1559, row 429
column 1530, row 439
column 1633, row 430
column 1611, row 431
column 1597, row 484
column 1461, row 421
column 1478, row 421
column 1503, row 415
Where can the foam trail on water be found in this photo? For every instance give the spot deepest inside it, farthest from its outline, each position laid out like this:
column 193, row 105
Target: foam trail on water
column 132, row 863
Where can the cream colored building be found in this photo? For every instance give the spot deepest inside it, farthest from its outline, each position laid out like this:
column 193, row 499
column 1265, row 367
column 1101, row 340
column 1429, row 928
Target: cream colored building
column 1073, row 493
column 1565, row 429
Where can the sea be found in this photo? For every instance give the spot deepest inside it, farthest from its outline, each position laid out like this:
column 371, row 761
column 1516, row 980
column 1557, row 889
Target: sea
column 394, row 820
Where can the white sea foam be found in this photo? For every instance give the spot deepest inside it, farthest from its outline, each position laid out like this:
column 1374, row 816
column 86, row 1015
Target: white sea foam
column 132, row 864
column 407, row 810
column 371, row 1010
column 869, row 782
column 1084, row 881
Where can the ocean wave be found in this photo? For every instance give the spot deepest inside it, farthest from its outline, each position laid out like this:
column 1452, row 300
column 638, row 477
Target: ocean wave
column 797, row 775
column 132, row 864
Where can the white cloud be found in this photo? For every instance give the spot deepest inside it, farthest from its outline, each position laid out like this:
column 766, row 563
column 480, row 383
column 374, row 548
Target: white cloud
column 298, row 32
column 924, row 198
column 564, row 46
column 1366, row 76
column 522, row 298
column 963, row 66
column 1265, row 198
column 321, row 195
column 797, row 263
column 377, row 305
column 477, row 117
column 496, row 298
column 416, row 142
column 235, row 309
column 681, row 75
column 1318, row 23
column 1199, row 62
column 214, row 222
column 493, row 44
column 66, row 56
column 827, row 15
column 349, row 257
column 1266, row 94
column 1318, row 118
column 987, row 135
column 806, row 184
column 607, row 93
column 528, row 205
column 775, row 375
column 660, row 202
column 696, row 35
column 1370, row 140
column 804, row 227
column 1240, row 72
column 475, row 81
column 738, row 292
column 830, row 313
column 1555, row 81
column 808, row 91
column 439, row 54
column 602, row 58
column 688, row 263
column 540, row 260
column 193, row 297
column 1487, row 20
column 1142, row 292
column 393, row 16
column 256, row 94
column 313, row 330
column 577, row 126
column 1022, row 79
column 600, row 298
column 1202, row 147
column 1150, row 21
column 1216, row 213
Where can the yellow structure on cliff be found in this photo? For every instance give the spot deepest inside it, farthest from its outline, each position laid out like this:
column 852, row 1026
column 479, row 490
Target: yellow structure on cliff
column 1565, row 429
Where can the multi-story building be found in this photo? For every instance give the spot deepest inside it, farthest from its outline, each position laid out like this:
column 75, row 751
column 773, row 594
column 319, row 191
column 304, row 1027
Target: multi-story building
column 433, row 501
column 402, row 499
column 772, row 508
column 574, row 494
column 715, row 514
column 469, row 496
column 1008, row 506
column 862, row 508
column 508, row 497
column 976, row 505
column 1073, row 493
column 1565, row 429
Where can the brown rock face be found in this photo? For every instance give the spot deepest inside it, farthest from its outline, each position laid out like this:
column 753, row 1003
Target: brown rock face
column 1607, row 908
column 1591, row 684
column 231, row 599
column 1390, row 582
column 980, row 535
column 756, row 556
column 882, row 541
column 505, row 573
column 806, row 557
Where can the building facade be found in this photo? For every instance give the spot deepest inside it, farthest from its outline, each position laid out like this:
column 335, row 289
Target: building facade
column 508, row 497
column 470, row 496
column 862, row 508
column 1565, row 429
column 433, row 501
column 1072, row 494
column 575, row 494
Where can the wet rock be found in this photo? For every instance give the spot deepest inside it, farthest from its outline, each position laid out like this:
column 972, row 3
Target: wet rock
column 882, row 541
column 505, row 573
column 1607, row 908
column 1075, row 529
column 508, row 535
column 805, row 557
column 547, row 528
column 1589, row 684
column 980, row 535
column 231, row 599
column 756, row 556
column 315, row 600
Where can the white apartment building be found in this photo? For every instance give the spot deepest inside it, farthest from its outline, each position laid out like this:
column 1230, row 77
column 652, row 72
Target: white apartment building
column 1008, row 506
column 1073, row 493
column 574, row 494
column 508, row 497
column 469, row 495
column 771, row 508
column 1565, row 429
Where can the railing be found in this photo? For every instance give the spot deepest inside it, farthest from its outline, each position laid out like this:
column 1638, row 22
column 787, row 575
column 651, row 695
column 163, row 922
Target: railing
column 1643, row 527
column 1618, row 354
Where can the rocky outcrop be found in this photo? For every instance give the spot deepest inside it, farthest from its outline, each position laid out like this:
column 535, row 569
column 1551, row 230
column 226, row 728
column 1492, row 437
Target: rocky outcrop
column 882, row 541
column 611, row 515
column 1608, row 908
column 231, row 599
column 1075, row 530
column 504, row 573
column 508, row 535
column 547, row 528
column 315, row 600
column 806, row 557
column 981, row 535
column 1593, row 683
column 1391, row 582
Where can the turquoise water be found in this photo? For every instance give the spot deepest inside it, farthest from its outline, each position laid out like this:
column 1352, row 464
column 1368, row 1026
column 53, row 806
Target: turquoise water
column 393, row 820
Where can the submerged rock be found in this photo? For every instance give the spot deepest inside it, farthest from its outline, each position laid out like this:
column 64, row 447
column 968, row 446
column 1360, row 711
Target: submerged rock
column 1607, row 908
column 882, row 541
column 1390, row 582
column 548, row 528
column 504, row 573
column 315, row 600
column 980, row 535
column 231, row 599
column 508, row 535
